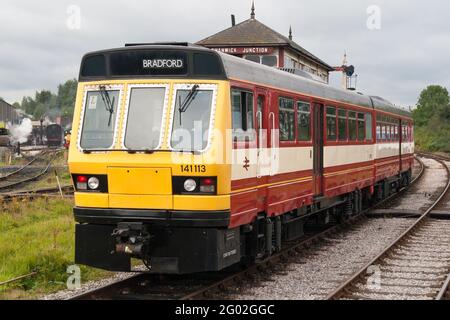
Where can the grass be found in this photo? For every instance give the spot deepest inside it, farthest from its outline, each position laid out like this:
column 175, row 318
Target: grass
column 38, row 235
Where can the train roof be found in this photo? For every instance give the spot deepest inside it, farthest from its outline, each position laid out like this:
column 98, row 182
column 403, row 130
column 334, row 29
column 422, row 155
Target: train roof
column 226, row 67
column 242, row 69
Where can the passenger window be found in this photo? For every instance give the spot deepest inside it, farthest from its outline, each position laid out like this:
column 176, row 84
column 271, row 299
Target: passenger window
column 352, row 125
column 242, row 107
column 287, row 119
column 304, row 121
column 361, row 127
column 342, row 124
column 368, row 127
column 378, row 132
column 331, row 124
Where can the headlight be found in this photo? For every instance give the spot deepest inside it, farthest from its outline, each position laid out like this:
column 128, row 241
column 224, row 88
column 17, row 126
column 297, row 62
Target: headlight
column 93, row 183
column 190, row 185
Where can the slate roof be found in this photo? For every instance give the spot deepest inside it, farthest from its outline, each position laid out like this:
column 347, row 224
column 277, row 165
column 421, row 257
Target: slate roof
column 251, row 32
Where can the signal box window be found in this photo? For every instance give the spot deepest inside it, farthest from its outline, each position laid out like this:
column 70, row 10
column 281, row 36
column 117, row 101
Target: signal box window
column 242, row 108
column 304, row 121
column 342, row 124
column 331, row 124
column 270, row 61
column 287, row 119
column 352, row 125
column 368, row 127
column 253, row 58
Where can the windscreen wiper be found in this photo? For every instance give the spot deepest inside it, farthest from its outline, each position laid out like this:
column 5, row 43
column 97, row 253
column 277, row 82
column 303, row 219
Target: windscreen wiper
column 187, row 101
column 108, row 103
column 131, row 151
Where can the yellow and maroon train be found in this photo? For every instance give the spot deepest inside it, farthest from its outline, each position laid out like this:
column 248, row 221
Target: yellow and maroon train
column 193, row 160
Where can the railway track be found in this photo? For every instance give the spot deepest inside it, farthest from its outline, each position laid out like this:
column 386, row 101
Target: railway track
column 148, row 286
column 67, row 191
column 414, row 266
column 31, row 171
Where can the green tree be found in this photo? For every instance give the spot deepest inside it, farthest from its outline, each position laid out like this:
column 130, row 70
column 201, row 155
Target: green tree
column 433, row 100
column 432, row 119
column 66, row 97
column 46, row 103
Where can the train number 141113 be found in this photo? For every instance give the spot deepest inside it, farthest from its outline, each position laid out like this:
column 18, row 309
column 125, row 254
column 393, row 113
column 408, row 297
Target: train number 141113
column 193, row 168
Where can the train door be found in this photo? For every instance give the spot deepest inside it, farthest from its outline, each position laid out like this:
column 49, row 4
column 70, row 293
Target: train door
column 318, row 138
column 263, row 155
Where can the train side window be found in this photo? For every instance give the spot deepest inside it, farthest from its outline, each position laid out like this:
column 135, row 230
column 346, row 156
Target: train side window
column 304, row 121
column 287, row 119
column 352, row 125
column 342, row 124
column 378, row 132
column 331, row 124
column 361, row 127
column 396, row 133
column 242, row 108
column 369, row 127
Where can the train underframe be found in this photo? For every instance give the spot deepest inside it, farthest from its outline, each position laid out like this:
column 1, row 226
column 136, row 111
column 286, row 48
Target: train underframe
column 174, row 242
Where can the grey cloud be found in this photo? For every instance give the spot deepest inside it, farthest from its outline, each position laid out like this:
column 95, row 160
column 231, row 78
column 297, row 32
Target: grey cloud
column 38, row 51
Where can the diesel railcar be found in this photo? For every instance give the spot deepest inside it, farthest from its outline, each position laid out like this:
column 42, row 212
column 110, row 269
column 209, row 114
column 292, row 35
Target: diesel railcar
column 193, row 160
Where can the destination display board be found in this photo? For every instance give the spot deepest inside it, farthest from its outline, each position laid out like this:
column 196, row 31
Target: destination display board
column 151, row 63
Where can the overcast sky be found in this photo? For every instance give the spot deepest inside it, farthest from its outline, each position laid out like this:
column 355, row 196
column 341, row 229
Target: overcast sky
column 41, row 44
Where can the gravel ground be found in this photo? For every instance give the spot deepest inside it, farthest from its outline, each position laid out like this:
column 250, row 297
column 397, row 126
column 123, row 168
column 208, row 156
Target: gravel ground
column 322, row 268
column 423, row 193
column 91, row 285
column 422, row 255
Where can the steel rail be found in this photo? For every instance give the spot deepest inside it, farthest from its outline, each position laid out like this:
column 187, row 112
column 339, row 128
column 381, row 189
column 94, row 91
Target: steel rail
column 444, row 290
column 282, row 255
column 14, row 184
column 19, row 278
column 339, row 292
column 35, row 177
column 2, row 178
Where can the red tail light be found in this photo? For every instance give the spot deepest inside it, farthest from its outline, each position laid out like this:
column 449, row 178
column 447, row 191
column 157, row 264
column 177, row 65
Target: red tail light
column 81, row 179
column 207, row 182
column 82, row 183
column 208, row 185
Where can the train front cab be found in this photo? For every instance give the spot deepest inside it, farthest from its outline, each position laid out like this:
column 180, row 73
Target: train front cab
column 169, row 208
